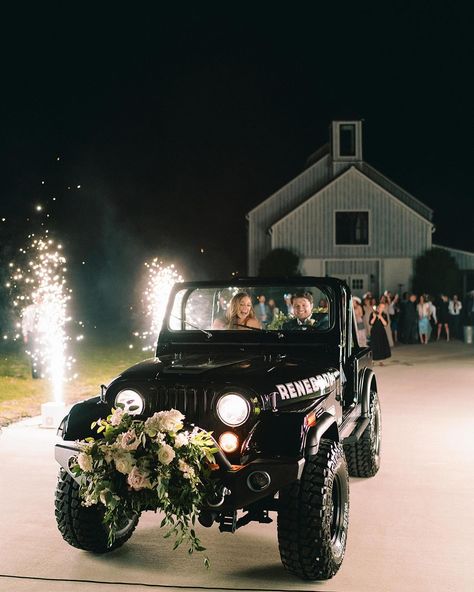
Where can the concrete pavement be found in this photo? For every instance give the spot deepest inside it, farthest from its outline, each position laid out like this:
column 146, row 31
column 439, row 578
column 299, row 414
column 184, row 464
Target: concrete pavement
column 410, row 526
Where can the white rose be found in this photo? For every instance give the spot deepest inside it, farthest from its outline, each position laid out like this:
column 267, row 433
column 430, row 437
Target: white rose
column 117, row 416
column 166, row 454
column 181, row 440
column 84, row 461
column 138, row 479
column 129, row 440
column 172, row 420
column 164, row 421
column 124, row 463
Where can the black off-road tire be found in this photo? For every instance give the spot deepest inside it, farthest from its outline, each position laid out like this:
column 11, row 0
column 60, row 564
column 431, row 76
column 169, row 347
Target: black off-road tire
column 363, row 456
column 314, row 516
column 81, row 526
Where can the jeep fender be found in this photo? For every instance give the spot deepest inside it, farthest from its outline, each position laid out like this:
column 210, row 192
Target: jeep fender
column 77, row 424
column 276, row 435
column 326, row 427
column 367, row 383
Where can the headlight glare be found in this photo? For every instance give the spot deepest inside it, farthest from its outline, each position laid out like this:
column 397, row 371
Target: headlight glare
column 232, row 409
column 132, row 401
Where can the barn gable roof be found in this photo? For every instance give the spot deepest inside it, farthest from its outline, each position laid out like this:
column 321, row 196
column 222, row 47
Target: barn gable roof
column 387, row 184
column 310, row 178
column 354, row 169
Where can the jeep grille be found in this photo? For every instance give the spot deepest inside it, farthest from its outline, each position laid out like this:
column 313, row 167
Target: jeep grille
column 194, row 403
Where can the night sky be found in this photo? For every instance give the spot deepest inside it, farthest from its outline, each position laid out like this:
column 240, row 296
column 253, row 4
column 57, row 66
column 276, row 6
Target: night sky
column 177, row 123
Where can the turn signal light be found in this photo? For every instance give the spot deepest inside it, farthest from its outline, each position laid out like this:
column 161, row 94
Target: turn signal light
column 310, row 419
column 228, row 441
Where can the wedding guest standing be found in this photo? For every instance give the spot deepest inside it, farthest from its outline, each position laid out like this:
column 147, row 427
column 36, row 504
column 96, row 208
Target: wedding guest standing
column 402, row 318
column 385, row 299
column 393, row 313
column 274, row 310
column 424, row 315
column 359, row 321
column 454, row 308
column 262, row 310
column 378, row 334
column 433, row 317
column 443, row 316
column 367, row 306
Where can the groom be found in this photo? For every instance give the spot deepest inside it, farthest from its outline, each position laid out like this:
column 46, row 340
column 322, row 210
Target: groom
column 302, row 303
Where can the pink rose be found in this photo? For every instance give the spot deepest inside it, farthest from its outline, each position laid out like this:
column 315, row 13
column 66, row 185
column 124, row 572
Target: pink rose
column 129, row 440
column 138, row 479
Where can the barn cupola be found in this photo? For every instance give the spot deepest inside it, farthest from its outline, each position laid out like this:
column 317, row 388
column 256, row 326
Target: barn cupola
column 346, row 144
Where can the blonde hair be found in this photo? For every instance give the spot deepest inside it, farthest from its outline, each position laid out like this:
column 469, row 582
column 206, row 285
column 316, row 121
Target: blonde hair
column 231, row 316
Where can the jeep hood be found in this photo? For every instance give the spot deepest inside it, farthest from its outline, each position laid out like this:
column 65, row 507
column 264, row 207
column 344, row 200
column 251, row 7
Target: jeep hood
column 257, row 371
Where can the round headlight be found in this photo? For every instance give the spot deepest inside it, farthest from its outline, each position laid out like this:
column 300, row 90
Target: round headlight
column 232, row 409
column 132, row 402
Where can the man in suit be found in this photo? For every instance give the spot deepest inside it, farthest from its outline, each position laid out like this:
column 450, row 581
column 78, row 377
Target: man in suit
column 302, row 303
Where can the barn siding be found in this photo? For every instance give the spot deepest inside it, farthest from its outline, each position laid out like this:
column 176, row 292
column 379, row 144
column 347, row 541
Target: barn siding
column 394, row 229
column 278, row 205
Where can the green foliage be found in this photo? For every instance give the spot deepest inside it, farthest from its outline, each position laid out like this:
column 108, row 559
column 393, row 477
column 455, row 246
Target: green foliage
column 280, row 263
column 278, row 320
column 436, row 272
column 148, row 465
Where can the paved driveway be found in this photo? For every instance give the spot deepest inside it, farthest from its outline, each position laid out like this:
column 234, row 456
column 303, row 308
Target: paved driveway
column 410, row 526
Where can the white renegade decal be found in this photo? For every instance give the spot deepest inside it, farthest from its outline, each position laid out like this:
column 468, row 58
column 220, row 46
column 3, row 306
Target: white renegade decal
column 308, row 386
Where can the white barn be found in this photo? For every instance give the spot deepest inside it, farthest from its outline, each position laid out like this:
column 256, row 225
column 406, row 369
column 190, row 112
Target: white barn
column 345, row 219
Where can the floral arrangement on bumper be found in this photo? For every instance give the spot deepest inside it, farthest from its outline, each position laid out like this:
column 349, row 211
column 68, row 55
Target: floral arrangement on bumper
column 147, row 465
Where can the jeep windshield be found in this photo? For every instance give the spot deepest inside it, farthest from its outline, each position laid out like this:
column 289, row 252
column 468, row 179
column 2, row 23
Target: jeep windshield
column 269, row 308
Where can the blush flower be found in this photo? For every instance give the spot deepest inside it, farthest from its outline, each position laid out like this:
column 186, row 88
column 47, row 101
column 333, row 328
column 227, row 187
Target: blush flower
column 138, row 479
column 129, row 440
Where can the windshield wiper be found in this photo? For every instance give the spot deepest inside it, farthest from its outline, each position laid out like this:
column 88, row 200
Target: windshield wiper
column 207, row 333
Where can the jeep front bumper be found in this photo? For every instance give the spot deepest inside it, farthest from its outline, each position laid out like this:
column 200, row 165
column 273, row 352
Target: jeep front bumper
column 242, row 484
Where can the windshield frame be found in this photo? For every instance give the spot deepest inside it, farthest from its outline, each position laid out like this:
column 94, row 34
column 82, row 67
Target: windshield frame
column 333, row 289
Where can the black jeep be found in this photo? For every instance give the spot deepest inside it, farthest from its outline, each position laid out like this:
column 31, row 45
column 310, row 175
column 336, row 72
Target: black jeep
column 293, row 406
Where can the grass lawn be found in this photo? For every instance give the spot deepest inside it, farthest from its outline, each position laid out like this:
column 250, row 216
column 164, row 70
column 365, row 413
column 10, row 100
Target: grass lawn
column 96, row 363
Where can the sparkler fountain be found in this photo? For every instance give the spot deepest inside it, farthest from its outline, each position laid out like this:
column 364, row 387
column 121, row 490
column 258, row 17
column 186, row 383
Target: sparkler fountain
column 41, row 285
column 161, row 279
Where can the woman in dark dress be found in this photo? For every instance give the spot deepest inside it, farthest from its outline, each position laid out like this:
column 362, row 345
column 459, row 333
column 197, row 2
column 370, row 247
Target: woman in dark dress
column 378, row 334
column 443, row 316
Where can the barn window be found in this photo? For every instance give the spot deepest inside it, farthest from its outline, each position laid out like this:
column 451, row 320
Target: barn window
column 347, row 134
column 352, row 228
